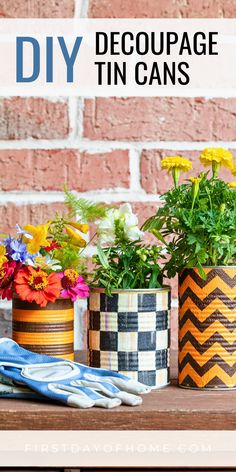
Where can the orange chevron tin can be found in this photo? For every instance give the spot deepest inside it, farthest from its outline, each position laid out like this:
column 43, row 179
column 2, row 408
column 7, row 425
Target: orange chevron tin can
column 207, row 328
column 47, row 330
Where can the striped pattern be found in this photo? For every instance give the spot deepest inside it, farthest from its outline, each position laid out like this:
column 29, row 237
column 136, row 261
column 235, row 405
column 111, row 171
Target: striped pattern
column 207, row 328
column 130, row 333
column 46, row 331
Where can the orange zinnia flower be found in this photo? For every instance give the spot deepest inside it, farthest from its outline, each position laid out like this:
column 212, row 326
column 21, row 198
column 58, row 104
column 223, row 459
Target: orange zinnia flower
column 34, row 285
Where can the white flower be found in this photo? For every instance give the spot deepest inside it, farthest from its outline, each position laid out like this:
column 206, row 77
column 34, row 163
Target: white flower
column 22, row 232
column 122, row 218
column 131, row 230
column 106, row 228
column 44, row 262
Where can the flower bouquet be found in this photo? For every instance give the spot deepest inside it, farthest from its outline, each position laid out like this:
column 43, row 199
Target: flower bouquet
column 41, row 263
column 198, row 219
column 42, row 268
column 129, row 307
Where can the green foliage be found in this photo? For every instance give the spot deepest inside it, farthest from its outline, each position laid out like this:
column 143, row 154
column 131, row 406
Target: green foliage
column 69, row 255
column 200, row 223
column 128, row 266
column 57, row 229
column 83, row 209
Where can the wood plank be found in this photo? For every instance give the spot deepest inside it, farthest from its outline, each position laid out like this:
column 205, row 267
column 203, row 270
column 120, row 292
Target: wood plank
column 167, row 409
column 171, row 408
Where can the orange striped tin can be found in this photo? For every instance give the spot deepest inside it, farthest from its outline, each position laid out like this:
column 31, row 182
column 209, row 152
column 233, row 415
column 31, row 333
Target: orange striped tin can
column 47, row 330
column 207, row 328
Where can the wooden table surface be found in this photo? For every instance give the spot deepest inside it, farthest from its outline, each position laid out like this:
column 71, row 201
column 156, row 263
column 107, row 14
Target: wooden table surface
column 171, row 408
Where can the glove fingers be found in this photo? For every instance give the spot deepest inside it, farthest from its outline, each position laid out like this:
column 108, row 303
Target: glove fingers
column 130, row 386
column 84, row 397
column 129, row 398
column 80, row 402
column 106, row 402
column 111, row 391
column 120, row 381
column 103, row 387
column 100, row 398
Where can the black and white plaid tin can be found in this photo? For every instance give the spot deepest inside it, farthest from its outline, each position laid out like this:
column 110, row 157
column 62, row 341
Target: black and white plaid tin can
column 129, row 333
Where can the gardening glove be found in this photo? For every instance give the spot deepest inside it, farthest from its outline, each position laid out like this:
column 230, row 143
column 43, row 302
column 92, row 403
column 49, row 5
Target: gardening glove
column 67, row 382
column 8, row 389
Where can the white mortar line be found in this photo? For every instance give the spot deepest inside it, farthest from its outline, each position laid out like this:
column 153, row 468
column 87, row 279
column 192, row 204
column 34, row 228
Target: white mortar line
column 108, row 196
column 106, row 146
column 134, row 163
column 80, row 118
column 81, row 8
column 73, row 112
column 174, row 303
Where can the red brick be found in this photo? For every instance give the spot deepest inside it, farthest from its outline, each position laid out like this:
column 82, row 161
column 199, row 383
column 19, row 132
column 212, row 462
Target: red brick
column 144, row 210
column 174, row 286
column 10, row 214
column 38, row 118
column 100, row 171
column 160, row 118
column 51, row 169
column 37, row 8
column 157, row 181
column 162, row 8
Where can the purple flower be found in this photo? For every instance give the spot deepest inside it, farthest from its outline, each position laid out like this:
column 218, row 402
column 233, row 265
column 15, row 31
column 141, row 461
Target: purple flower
column 18, row 250
column 22, row 232
column 7, row 243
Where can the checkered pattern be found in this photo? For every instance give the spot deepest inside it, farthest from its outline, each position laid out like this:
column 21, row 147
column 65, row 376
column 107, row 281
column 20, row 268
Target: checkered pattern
column 130, row 333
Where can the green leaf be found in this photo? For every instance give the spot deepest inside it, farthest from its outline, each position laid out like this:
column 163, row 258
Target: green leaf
column 202, row 272
column 102, row 257
column 85, row 210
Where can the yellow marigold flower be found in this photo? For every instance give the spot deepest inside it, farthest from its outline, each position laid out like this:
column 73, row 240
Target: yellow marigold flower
column 3, row 257
column 39, row 237
column 233, row 169
column 195, row 180
column 76, row 239
column 81, row 227
column 176, row 162
column 232, row 184
column 216, row 157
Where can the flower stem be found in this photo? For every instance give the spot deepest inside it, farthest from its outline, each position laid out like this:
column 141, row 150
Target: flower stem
column 176, row 175
column 215, row 169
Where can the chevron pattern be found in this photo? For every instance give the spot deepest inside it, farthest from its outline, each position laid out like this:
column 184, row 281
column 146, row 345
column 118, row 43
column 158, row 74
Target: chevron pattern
column 207, row 328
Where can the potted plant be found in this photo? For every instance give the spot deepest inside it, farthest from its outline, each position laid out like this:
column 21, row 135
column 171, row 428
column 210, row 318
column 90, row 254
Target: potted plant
column 42, row 271
column 199, row 218
column 128, row 307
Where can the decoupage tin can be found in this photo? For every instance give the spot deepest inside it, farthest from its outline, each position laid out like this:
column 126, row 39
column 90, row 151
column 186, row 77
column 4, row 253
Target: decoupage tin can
column 129, row 333
column 48, row 330
column 207, row 328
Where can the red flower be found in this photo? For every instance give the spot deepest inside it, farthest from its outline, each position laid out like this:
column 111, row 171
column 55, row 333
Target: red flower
column 35, row 285
column 7, row 274
column 53, row 245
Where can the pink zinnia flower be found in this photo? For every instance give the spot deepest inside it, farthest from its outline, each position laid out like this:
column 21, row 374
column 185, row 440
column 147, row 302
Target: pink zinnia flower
column 73, row 285
column 7, row 275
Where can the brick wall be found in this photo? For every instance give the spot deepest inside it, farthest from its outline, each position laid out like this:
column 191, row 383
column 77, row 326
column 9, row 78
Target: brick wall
column 107, row 149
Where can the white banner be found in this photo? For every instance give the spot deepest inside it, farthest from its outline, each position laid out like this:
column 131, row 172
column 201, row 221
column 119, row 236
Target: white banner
column 118, row 57
column 126, row 448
